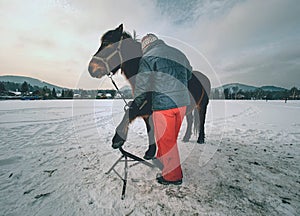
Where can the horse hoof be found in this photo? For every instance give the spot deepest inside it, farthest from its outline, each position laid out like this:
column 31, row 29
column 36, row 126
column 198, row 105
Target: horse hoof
column 148, row 157
column 200, row 141
column 150, row 153
column 117, row 141
column 117, row 145
column 185, row 139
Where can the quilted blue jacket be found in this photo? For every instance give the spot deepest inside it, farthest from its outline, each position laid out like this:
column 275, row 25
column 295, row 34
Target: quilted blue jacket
column 164, row 71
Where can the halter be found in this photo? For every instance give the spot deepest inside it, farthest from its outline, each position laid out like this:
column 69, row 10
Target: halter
column 110, row 74
column 108, row 58
column 126, row 107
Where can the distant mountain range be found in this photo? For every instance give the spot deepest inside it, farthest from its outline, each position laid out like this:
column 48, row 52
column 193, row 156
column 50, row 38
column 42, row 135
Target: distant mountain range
column 29, row 80
column 126, row 90
column 241, row 87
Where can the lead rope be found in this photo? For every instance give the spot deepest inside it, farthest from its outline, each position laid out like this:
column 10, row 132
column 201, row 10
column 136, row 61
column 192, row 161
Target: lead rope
column 126, row 107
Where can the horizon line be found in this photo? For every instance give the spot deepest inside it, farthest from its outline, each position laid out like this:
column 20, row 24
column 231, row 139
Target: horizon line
column 233, row 83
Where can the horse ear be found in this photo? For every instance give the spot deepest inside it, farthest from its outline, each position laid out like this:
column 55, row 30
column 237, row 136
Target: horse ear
column 120, row 28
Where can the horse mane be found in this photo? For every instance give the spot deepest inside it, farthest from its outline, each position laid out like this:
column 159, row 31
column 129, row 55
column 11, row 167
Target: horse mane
column 130, row 67
column 127, row 35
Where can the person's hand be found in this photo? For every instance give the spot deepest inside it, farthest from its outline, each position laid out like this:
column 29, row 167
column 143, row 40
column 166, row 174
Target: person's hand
column 133, row 110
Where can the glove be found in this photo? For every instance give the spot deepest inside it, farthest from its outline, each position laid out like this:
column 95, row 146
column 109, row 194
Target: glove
column 133, row 111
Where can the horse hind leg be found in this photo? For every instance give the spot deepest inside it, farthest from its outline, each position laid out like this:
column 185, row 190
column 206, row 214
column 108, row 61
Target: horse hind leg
column 202, row 114
column 201, row 135
column 150, row 153
column 188, row 132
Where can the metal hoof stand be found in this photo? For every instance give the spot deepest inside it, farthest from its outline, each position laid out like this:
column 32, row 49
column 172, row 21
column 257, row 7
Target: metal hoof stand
column 128, row 157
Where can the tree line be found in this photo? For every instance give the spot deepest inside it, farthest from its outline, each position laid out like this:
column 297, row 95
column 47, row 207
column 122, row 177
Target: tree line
column 8, row 90
column 27, row 90
column 258, row 94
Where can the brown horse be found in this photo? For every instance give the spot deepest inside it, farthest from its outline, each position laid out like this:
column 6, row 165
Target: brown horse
column 119, row 50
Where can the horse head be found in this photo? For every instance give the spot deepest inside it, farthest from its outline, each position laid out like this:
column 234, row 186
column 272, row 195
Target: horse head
column 117, row 47
column 108, row 58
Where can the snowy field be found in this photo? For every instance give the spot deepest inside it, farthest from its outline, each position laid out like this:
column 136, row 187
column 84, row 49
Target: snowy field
column 54, row 155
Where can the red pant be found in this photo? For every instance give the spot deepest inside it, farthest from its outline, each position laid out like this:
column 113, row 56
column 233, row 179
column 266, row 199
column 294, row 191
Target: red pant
column 167, row 124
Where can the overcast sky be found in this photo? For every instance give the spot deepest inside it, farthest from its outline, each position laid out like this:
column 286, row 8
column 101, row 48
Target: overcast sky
column 254, row 42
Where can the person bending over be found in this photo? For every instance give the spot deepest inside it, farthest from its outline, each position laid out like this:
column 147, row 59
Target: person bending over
column 164, row 71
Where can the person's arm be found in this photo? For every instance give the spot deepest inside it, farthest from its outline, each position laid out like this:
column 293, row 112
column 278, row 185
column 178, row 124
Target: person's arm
column 142, row 86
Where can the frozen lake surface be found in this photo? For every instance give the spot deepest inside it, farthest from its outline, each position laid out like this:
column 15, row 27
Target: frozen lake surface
column 54, row 155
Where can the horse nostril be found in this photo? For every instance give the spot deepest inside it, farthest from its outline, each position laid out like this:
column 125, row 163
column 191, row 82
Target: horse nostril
column 91, row 68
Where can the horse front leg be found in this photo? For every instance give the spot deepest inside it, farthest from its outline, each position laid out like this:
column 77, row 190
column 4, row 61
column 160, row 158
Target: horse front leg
column 150, row 153
column 121, row 132
column 189, row 119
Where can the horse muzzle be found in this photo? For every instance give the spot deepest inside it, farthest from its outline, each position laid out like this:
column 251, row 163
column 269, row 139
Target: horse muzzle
column 97, row 69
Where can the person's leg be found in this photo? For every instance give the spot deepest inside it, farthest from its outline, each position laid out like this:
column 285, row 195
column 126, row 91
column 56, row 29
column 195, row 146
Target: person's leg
column 175, row 167
column 160, row 125
column 167, row 125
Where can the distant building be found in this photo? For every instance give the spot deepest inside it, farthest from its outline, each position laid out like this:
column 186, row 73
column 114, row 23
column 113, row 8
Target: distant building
column 15, row 93
column 76, row 96
column 104, row 96
column 240, row 96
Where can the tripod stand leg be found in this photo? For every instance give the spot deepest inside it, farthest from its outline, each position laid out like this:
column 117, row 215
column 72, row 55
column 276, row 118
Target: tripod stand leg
column 125, row 178
column 113, row 166
column 127, row 155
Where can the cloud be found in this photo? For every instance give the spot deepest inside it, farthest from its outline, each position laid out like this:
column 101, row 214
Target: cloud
column 55, row 39
column 274, row 63
column 242, row 40
column 246, row 24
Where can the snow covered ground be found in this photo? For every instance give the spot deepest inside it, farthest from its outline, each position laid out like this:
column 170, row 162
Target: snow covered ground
column 54, row 155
